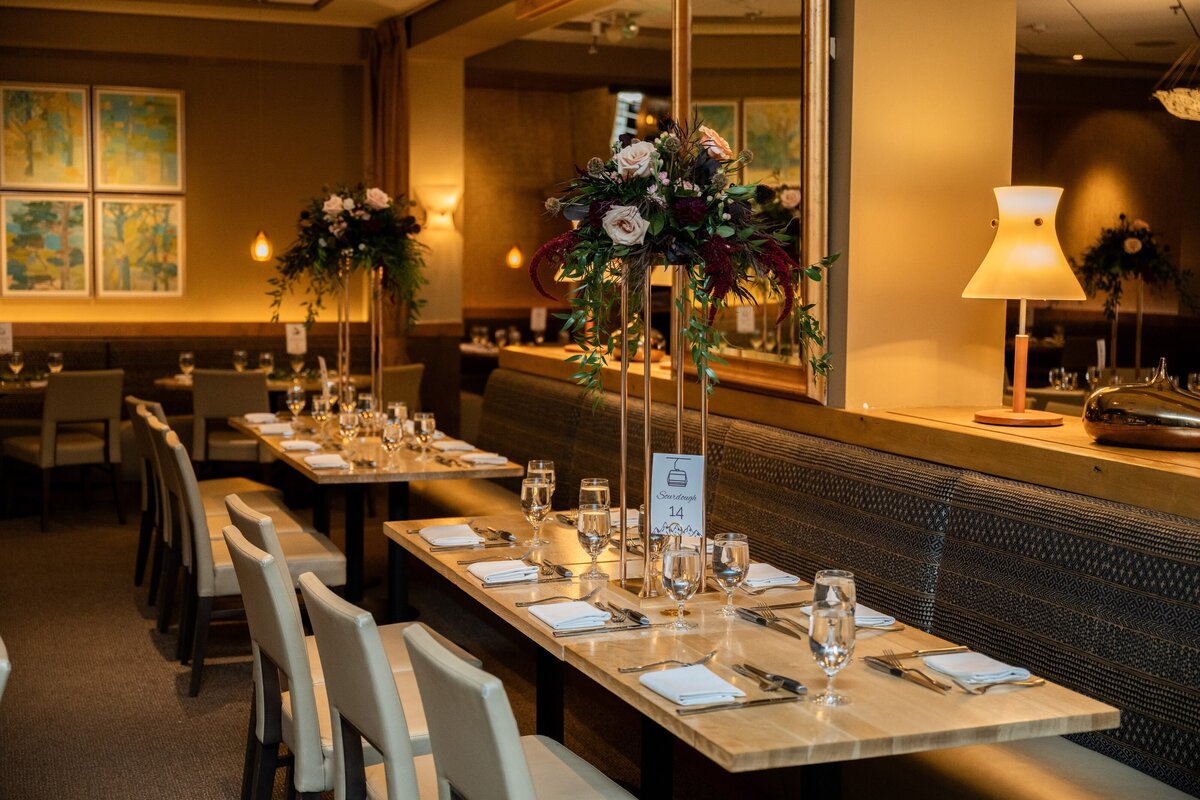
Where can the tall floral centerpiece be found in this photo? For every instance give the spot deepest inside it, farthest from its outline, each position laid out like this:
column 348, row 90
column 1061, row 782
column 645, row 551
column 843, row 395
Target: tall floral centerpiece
column 348, row 230
column 1128, row 251
column 670, row 201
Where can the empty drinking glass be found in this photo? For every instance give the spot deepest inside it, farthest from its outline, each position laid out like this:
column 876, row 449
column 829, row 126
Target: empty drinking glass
column 240, row 359
column 424, row 426
column 54, row 362
column 535, row 504
column 831, row 634
column 595, row 532
column 297, row 398
column 16, row 362
column 1093, row 376
column 296, row 360
column 320, row 415
column 348, row 422
column 391, row 437
column 680, row 579
column 731, row 560
column 266, row 361
column 366, row 405
column 348, row 398
column 187, row 362
column 594, row 491
column 1056, row 377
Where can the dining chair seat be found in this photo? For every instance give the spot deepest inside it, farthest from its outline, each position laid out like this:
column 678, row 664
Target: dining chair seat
column 257, row 495
column 70, row 449
column 427, row 787
column 305, row 553
column 231, row 446
column 394, row 647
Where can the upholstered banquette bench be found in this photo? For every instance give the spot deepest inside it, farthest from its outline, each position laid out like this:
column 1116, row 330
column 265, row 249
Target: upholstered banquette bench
column 1098, row 596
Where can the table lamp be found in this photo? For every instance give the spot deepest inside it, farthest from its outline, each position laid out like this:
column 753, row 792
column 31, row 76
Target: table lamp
column 1025, row 262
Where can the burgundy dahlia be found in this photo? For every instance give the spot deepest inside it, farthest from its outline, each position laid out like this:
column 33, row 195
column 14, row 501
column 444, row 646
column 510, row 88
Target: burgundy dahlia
column 554, row 252
column 690, row 210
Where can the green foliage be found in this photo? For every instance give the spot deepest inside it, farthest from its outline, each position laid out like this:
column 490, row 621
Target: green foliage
column 1127, row 251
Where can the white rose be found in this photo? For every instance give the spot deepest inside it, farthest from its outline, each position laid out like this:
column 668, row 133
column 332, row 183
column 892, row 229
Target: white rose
column 348, row 203
column 1133, row 245
column 377, row 199
column 624, row 225
column 333, row 206
column 636, row 161
column 1140, row 225
column 789, row 198
column 715, row 144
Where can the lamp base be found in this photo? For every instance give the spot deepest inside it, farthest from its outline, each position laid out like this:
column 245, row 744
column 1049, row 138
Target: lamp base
column 1019, row 419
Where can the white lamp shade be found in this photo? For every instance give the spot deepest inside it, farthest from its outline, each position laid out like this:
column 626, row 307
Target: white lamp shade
column 1025, row 260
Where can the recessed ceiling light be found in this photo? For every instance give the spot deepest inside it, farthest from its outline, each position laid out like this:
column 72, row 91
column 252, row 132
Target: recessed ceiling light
column 1077, row 57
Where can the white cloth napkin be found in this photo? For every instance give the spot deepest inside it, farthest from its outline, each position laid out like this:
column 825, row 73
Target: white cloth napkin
column 691, row 686
column 483, row 458
column 438, row 436
column 446, row 445
column 300, row 444
column 761, row 575
column 863, row 617
column 276, row 429
column 570, row 616
column 260, row 418
column 507, row 571
column 631, row 517
column 450, row 535
column 327, row 461
column 975, row 668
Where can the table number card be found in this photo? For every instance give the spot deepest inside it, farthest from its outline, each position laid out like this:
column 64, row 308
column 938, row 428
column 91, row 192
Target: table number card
column 297, row 339
column 677, row 494
column 6, row 342
column 537, row 319
column 745, row 319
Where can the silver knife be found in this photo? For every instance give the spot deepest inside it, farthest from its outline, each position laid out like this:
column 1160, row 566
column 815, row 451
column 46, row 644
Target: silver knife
column 791, row 684
column 634, row 614
column 559, row 569
column 920, row 679
column 507, row 536
column 750, row 616
column 934, row 651
column 613, row 629
column 459, row 547
column 766, row 701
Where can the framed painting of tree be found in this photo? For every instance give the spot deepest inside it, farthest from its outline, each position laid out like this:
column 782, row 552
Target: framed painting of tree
column 771, row 128
column 44, row 137
column 46, row 249
column 140, row 246
column 139, row 139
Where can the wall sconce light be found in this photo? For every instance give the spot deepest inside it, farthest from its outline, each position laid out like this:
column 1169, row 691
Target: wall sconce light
column 514, row 258
column 260, row 248
column 439, row 202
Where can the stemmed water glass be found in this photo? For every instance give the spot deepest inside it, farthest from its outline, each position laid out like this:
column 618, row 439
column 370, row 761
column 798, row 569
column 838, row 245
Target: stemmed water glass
column 594, row 527
column 266, row 361
column 831, row 628
column 390, row 438
column 320, row 415
column 240, row 359
column 348, row 398
column 296, row 360
column 348, row 422
column 54, row 362
column 16, row 362
column 681, row 578
column 536, row 497
column 424, row 426
column 731, row 560
column 594, row 491
column 187, row 362
column 398, row 411
column 297, row 398
column 542, row 469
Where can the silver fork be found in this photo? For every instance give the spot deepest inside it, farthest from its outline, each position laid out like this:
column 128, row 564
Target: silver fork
column 889, row 656
column 980, row 688
column 494, row 558
column 768, row 613
column 554, row 598
column 757, row 592
column 618, row 614
column 643, row 667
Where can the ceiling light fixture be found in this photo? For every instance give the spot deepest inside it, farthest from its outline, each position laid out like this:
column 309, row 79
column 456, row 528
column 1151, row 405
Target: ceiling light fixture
column 1179, row 89
column 1077, row 57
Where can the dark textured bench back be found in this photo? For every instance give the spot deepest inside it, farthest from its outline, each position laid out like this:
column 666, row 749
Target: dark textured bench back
column 809, row 503
column 1101, row 597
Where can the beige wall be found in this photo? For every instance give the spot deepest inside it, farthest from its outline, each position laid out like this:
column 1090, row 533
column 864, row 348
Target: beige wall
column 312, row 116
column 930, row 135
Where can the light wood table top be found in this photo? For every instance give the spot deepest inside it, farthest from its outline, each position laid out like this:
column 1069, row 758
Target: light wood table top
column 887, row 715
column 407, row 464
column 178, row 383
column 32, row 386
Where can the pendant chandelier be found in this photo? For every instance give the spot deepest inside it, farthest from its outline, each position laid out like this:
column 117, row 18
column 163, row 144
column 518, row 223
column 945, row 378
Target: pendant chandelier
column 1179, row 89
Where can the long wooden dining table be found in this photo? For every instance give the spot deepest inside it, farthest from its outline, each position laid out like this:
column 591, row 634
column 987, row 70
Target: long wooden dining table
column 406, row 467
column 886, row 715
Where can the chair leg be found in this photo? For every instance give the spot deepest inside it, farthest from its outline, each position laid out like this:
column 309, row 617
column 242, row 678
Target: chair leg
column 84, row 474
column 203, row 617
column 268, row 765
column 45, row 499
column 115, row 481
column 253, row 748
column 187, row 620
column 170, row 578
column 145, row 535
column 289, row 780
column 156, row 566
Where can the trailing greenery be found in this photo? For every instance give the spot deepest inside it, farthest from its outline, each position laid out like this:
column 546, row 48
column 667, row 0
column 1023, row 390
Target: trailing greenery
column 1125, row 251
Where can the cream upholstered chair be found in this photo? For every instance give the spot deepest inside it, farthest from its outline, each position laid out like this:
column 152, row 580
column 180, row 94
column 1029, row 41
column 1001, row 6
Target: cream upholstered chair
column 476, row 746
column 218, row 394
column 75, row 397
column 150, row 523
column 402, row 384
column 5, row 668
column 321, row 556
column 299, row 715
column 363, row 703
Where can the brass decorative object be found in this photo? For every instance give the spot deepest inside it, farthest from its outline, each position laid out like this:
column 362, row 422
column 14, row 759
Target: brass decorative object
column 1154, row 414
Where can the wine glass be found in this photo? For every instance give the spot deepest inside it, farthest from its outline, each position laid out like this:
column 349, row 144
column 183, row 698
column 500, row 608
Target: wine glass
column 187, row 362
column 833, row 587
column 348, row 422
column 681, row 578
column 266, row 361
column 1093, row 376
column 320, row 415
column 54, row 362
column 348, row 398
column 296, row 361
column 731, row 560
column 424, row 427
column 398, row 411
column 831, row 638
column 296, row 399
column 594, row 491
column 535, row 504
column 390, row 438
column 16, row 362
column 541, row 468
column 240, row 359
column 594, row 527
column 366, row 407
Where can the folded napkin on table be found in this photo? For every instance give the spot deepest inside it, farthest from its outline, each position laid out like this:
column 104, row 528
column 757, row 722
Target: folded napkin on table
column 691, row 686
column 507, row 571
column 761, row 575
column 570, row 616
column 451, row 444
column 439, row 435
column 327, row 461
column 864, row 617
column 276, row 429
column 631, row 517
column 260, row 417
column 975, row 668
column 300, row 444
column 483, row 458
column 450, row 535
column 183, row 378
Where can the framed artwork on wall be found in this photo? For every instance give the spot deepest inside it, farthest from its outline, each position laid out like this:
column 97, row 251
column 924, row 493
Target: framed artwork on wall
column 140, row 246
column 772, row 132
column 47, row 246
column 44, row 142
column 139, row 139
column 722, row 117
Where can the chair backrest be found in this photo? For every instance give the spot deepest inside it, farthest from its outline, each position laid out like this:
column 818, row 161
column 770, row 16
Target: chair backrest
column 87, row 396
column 259, row 530
column 194, row 538
column 279, row 649
column 402, row 384
column 476, row 744
column 362, row 692
column 6, row 669
column 169, row 506
column 141, row 439
column 223, row 393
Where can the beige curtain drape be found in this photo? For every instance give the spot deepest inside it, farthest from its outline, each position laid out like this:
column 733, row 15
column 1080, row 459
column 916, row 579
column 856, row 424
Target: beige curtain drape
column 389, row 114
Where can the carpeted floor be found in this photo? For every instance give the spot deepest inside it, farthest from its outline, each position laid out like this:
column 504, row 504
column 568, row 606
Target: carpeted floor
column 97, row 706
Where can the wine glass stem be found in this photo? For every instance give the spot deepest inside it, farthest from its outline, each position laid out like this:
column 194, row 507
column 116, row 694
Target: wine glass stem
column 829, row 684
column 729, row 602
column 595, row 557
column 679, row 611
